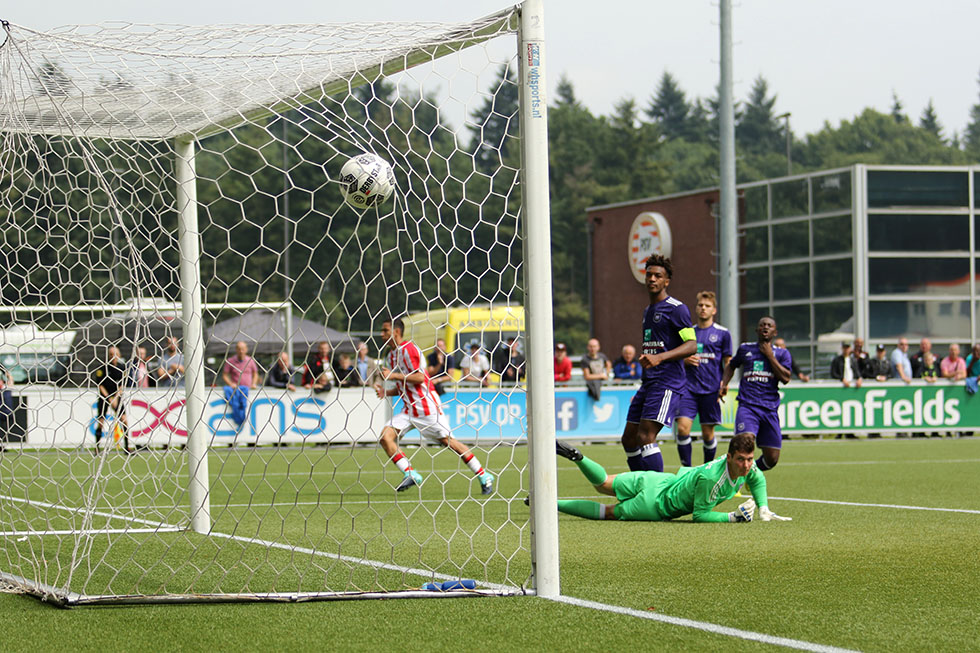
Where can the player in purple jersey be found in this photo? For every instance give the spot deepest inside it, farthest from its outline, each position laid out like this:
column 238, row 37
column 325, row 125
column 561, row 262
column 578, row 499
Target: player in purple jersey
column 668, row 338
column 764, row 367
column 704, row 370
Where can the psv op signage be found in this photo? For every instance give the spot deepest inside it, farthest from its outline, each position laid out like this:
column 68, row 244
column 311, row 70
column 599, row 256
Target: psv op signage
column 650, row 234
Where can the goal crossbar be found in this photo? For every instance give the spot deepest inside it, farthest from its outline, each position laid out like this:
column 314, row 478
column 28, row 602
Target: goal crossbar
column 192, row 110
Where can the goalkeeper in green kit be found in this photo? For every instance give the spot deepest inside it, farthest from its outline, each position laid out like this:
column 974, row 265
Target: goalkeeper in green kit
column 659, row 496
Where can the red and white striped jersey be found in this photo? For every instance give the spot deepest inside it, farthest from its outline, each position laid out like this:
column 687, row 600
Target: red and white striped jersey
column 419, row 399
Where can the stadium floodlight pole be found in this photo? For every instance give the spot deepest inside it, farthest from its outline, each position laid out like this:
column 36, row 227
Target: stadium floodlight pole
column 540, row 327
column 189, row 236
column 728, row 224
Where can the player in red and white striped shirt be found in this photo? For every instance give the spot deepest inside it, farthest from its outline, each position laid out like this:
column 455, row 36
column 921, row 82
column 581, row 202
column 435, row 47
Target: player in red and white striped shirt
column 405, row 366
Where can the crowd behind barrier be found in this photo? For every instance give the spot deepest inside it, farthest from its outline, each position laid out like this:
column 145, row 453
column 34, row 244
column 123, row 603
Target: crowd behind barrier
column 476, row 414
column 867, row 394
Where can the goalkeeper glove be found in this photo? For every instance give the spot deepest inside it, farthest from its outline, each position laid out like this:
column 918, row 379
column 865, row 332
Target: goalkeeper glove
column 768, row 515
column 743, row 513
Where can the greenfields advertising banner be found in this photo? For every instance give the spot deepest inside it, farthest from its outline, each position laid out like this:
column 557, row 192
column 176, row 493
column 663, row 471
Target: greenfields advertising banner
column 805, row 408
column 874, row 407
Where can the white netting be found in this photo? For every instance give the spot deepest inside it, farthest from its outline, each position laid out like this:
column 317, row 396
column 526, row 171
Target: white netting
column 301, row 497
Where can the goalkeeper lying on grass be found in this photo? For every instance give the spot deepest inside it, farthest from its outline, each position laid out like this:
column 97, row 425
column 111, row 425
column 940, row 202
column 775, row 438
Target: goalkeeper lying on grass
column 658, row 496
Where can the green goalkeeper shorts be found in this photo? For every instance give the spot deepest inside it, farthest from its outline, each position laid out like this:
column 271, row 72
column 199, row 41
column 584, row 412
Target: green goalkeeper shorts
column 638, row 494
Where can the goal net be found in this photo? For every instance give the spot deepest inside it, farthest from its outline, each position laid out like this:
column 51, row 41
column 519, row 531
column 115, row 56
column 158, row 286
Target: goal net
column 193, row 313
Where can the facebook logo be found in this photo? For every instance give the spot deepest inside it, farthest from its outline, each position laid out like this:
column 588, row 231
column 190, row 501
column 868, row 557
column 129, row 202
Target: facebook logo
column 566, row 415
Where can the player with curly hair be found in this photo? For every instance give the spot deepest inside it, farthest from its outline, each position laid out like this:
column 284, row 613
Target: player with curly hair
column 668, row 338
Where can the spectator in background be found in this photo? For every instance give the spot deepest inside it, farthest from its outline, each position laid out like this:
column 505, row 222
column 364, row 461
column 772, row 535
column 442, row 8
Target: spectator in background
column 363, row 364
column 930, row 371
column 170, row 372
column 6, row 401
column 281, row 374
column 918, row 358
column 476, row 365
column 318, row 371
column 240, row 374
column 794, row 369
column 901, row 365
column 563, row 364
column 500, row 355
column 110, row 380
column 345, row 373
column 973, row 362
column 512, row 369
column 438, row 364
column 139, row 370
column 860, row 356
column 627, row 367
column 844, row 367
column 952, row 366
column 6, row 379
column 596, row 368
column 879, row 367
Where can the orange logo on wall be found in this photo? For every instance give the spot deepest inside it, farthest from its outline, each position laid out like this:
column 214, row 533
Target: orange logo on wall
column 650, row 234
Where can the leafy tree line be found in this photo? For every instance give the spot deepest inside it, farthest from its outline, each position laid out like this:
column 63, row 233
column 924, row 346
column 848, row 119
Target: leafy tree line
column 669, row 144
column 454, row 236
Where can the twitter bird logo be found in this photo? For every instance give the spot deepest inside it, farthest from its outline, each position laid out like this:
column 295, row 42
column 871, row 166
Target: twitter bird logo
column 603, row 412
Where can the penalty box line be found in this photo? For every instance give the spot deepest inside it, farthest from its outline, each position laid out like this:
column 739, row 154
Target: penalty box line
column 716, row 629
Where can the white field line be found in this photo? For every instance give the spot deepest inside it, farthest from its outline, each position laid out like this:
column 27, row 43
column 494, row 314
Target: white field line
column 877, row 462
column 569, row 470
column 878, row 505
column 98, row 513
column 797, row 644
column 455, row 503
column 381, row 470
column 596, row 497
column 110, row 531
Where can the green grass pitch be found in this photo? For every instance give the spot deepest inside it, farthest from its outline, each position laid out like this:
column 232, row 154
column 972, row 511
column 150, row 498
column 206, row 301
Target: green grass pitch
column 854, row 569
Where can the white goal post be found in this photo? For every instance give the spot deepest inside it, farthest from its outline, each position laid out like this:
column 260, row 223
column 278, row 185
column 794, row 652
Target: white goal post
column 200, row 164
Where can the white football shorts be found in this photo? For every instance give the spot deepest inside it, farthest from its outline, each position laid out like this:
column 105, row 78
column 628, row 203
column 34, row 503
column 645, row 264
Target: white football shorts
column 434, row 427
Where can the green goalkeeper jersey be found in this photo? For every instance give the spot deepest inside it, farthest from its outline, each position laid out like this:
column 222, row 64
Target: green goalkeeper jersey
column 654, row 496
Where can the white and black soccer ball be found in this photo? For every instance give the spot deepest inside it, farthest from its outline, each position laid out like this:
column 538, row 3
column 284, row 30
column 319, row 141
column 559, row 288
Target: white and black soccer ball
column 366, row 180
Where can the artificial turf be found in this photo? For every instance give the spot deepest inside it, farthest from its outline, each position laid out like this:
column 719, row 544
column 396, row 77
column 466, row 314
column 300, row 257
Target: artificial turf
column 871, row 577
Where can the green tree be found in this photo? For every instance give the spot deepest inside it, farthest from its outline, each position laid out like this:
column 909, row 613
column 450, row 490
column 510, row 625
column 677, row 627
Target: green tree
column 689, row 165
column 669, row 109
column 702, row 125
column 898, row 109
column 575, row 139
column 971, row 137
column 875, row 137
column 929, row 121
column 758, row 131
column 628, row 159
column 495, row 122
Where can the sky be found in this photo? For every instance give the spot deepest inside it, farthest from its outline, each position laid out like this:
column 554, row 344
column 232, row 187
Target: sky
column 825, row 60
